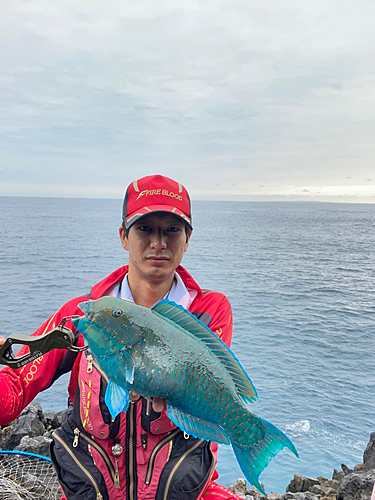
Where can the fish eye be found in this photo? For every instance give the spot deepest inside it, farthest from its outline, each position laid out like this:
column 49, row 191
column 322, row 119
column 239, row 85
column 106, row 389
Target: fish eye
column 116, row 313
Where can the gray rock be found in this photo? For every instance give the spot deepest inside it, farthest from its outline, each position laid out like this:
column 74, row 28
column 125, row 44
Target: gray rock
column 357, row 486
column 307, row 495
column 257, row 495
column 346, row 469
column 369, row 454
column 337, row 475
column 317, row 490
column 29, row 423
column 53, row 420
column 39, row 445
column 239, row 488
column 5, row 432
column 301, row 483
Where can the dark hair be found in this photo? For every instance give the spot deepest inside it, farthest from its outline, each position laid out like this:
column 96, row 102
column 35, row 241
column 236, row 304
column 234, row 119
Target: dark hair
column 188, row 229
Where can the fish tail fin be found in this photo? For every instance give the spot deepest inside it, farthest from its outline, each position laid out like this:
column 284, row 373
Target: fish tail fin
column 254, row 458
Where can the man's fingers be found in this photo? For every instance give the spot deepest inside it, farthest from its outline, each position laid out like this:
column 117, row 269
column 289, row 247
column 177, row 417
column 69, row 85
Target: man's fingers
column 2, row 340
column 134, row 396
column 159, row 404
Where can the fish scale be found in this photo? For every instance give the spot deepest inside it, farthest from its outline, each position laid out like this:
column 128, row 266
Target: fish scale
column 170, row 354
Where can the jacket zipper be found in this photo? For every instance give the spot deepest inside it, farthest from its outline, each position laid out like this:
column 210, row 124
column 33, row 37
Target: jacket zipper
column 155, row 451
column 131, row 491
column 114, row 473
column 99, row 496
column 182, row 458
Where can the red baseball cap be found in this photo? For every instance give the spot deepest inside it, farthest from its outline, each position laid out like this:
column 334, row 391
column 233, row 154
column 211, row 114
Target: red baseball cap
column 155, row 193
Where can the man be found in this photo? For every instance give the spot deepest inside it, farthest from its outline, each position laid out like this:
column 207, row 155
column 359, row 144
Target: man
column 140, row 455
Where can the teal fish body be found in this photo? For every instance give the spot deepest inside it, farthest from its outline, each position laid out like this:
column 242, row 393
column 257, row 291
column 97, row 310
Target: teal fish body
column 166, row 352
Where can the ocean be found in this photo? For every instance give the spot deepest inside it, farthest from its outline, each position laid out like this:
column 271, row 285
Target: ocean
column 301, row 280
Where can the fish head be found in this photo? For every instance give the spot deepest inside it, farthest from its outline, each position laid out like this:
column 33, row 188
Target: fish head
column 107, row 325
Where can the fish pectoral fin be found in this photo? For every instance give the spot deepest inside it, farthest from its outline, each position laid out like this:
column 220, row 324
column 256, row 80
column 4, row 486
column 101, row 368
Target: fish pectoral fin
column 116, row 398
column 197, row 427
column 129, row 366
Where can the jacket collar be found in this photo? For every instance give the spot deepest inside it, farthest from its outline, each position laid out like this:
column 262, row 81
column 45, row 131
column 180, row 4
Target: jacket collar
column 103, row 286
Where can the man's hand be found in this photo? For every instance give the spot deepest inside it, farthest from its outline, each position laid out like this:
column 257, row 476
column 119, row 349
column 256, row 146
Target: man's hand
column 158, row 404
column 2, row 340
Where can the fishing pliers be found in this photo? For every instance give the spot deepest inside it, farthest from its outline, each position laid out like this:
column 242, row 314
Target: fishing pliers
column 60, row 337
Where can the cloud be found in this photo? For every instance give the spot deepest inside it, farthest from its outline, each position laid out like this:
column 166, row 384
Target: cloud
column 253, row 93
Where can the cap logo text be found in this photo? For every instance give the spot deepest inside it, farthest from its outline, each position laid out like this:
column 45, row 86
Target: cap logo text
column 163, row 192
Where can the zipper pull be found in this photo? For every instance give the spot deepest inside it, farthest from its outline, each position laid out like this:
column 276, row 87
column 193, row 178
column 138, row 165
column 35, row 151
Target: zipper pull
column 117, row 477
column 144, row 440
column 76, row 436
column 186, row 435
column 117, row 449
column 90, row 359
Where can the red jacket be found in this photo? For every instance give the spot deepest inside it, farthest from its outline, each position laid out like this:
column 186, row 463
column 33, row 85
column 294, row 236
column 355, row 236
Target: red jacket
column 97, row 435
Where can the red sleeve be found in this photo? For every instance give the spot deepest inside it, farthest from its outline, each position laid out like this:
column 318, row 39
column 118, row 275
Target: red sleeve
column 222, row 321
column 19, row 387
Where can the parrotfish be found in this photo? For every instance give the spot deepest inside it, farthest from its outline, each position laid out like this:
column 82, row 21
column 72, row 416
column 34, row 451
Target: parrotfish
column 167, row 352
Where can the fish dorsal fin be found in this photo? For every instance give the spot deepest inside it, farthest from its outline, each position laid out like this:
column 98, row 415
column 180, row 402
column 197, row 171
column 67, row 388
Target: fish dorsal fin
column 180, row 316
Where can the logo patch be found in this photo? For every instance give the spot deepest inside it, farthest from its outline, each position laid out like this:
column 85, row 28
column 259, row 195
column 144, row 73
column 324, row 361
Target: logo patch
column 158, row 192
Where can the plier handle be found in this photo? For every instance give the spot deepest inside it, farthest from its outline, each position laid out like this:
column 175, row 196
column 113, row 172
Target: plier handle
column 60, row 337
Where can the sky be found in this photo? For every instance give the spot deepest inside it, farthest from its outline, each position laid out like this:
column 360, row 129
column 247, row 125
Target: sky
column 236, row 99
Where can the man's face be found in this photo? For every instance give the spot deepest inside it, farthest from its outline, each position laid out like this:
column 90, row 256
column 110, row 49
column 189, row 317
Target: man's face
column 156, row 244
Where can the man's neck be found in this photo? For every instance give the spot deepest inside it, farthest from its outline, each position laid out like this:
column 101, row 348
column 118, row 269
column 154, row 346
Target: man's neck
column 146, row 293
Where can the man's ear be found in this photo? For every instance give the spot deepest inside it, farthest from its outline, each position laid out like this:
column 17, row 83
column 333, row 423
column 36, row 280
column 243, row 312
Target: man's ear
column 187, row 240
column 124, row 239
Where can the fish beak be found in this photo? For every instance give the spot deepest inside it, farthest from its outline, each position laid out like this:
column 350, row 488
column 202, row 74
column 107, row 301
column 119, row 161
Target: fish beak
column 80, row 322
column 84, row 306
column 76, row 320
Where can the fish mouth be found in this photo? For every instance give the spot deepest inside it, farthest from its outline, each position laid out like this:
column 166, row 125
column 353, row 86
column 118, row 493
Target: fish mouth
column 81, row 323
column 85, row 307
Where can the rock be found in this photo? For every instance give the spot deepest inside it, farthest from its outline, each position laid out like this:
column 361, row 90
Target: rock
column 239, row 488
column 53, row 420
column 317, row 490
column 29, row 423
column 328, row 487
column 369, row 454
column 253, row 492
column 330, row 492
column 357, row 486
column 38, row 445
column 301, row 483
column 346, row 469
column 337, row 476
column 5, row 432
column 307, row 495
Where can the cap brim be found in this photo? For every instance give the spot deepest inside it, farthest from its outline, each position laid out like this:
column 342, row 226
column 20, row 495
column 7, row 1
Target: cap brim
column 141, row 212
